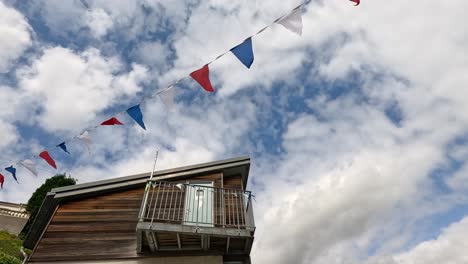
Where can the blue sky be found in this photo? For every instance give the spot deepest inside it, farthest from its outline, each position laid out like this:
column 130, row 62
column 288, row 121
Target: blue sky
column 356, row 130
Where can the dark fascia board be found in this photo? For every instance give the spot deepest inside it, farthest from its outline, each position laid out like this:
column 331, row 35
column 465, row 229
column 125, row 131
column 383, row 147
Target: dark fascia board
column 169, row 174
column 234, row 166
column 42, row 218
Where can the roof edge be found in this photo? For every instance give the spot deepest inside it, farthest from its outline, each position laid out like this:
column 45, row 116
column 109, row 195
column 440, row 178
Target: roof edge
column 178, row 170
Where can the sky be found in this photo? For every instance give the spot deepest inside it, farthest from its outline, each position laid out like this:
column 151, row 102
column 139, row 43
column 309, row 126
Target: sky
column 357, row 130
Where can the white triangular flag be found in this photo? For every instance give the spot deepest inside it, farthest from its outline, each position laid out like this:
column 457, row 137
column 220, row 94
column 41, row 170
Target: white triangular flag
column 29, row 164
column 168, row 98
column 293, row 22
column 86, row 139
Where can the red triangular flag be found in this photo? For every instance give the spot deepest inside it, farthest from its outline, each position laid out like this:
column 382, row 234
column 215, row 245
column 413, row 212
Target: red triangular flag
column 202, row 76
column 357, row 2
column 111, row 122
column 45, row 155
column 2, row 179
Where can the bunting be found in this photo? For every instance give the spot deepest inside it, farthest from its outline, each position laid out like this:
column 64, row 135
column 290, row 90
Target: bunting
column 2, row 180
column 168, row 98
column 202, row 76
column 86, row 139
column 293, row 22
column 46, row 156
column 244, row 52
column 111, row 122
column 12, row 170
column 29, row 164
column 63, row 147
column 135, row 113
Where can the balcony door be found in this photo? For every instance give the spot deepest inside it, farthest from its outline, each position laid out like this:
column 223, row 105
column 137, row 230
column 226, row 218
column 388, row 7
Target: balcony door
column 199, row 204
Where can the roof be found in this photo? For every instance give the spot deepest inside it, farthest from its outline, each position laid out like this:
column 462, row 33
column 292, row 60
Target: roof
column 234, row 166
column 12, row 206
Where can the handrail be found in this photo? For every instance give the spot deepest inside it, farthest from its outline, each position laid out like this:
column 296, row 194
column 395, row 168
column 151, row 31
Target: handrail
column 197, row 205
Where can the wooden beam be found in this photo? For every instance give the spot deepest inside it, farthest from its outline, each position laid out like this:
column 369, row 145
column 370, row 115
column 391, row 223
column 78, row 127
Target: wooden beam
column 178, row 241
column 205, row 242
column 248, row 245
column 150, row 240
column 155, row 240
column 139, row 240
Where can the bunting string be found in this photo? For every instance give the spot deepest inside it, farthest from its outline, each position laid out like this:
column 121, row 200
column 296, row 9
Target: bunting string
column 243, row 52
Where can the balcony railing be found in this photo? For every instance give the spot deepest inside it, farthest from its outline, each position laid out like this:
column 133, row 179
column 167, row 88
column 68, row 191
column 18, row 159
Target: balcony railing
column 199, row 205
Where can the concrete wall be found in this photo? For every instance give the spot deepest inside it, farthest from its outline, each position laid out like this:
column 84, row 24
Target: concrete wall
column 165, row 260
column 12, row 224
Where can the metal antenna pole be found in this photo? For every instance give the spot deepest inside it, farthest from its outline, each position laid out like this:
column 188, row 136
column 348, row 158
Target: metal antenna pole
column 154, row 166
column 148, row 186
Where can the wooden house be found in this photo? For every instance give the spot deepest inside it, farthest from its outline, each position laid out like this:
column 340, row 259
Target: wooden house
column 195, row 214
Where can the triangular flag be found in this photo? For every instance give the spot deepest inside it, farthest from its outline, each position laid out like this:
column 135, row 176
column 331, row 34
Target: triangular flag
column 167, row 97
column 356, row 1
column 28, row 164
column 293, row 22
column 46, row 156
column 244, row 52
column 84, row 137
column 63, row 147
column 12, row 171
column 135, row 113
column 202, row 76
column 111, row 122
column 2, row 180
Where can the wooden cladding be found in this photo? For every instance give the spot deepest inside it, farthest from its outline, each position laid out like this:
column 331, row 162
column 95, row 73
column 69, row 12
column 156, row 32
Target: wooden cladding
column 101, row 227
column 93, row 228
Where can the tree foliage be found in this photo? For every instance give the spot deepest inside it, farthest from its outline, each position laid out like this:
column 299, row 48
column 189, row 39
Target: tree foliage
column 35, row 202
column 10, row 248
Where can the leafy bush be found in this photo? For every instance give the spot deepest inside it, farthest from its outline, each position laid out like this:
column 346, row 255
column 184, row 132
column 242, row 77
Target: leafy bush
column 5, row 259
column 10, row 248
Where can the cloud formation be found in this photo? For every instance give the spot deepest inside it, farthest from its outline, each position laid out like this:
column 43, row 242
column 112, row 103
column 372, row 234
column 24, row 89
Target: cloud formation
column 16, row 36
column 84, row 84
column 357, row 129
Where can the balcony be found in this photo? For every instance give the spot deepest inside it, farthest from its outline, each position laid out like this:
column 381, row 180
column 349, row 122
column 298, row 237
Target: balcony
column 177, row 217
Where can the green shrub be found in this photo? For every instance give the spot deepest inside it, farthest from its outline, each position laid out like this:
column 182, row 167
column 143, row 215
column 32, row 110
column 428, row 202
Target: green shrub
column 10, row 248
column 5, row 259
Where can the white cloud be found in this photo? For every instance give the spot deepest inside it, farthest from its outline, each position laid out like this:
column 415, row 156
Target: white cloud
column 450, row 247
column 61, row 17
column 9, row 134
column 153, row 53
column 349, row 179
column 84, row 84
column 16, row 36
column 98, row 21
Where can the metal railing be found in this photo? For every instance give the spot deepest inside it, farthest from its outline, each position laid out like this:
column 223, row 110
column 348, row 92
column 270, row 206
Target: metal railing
column 197, row 205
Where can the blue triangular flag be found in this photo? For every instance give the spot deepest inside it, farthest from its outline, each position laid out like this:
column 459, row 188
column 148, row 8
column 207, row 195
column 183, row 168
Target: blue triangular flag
column 63, row 147
column 135, row 113
column 12, row 171
column 244, row 52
